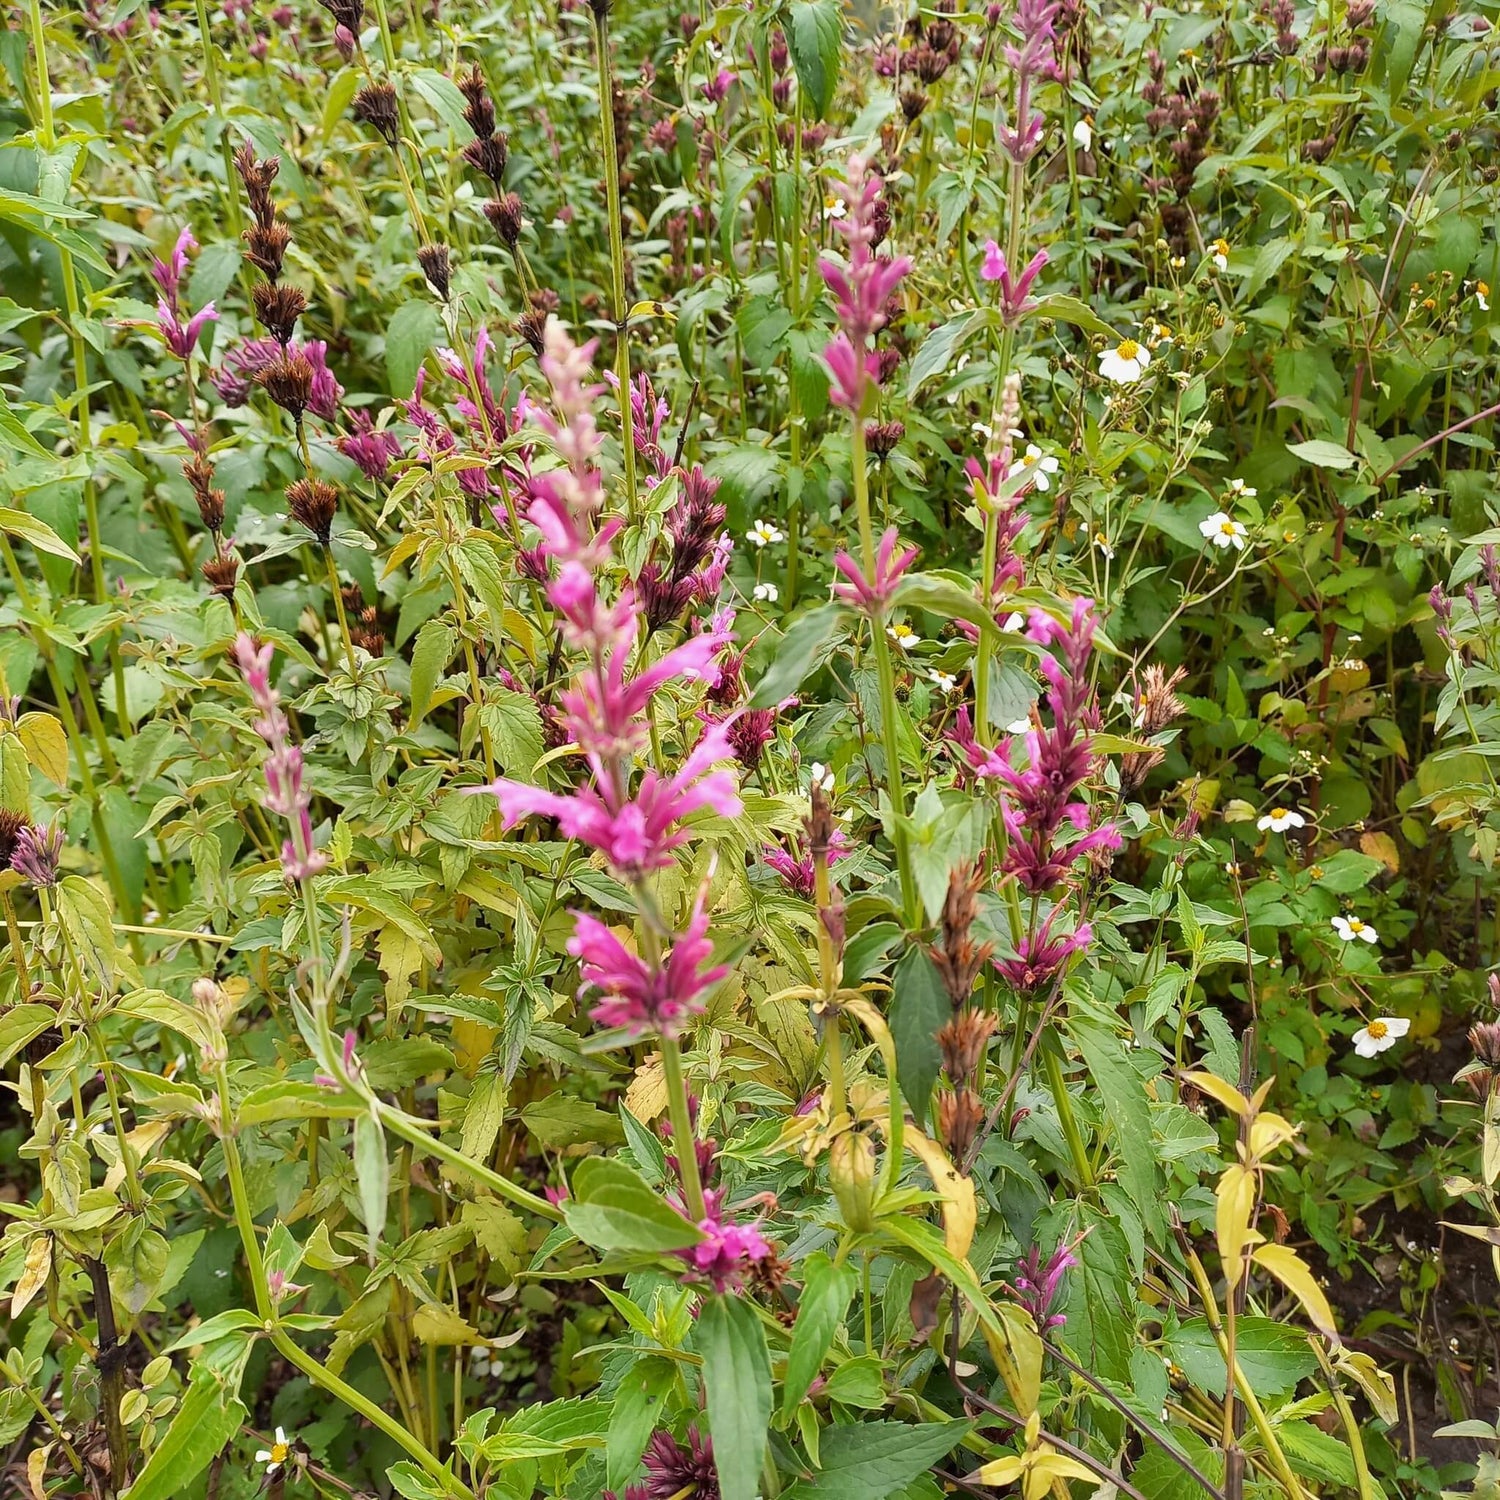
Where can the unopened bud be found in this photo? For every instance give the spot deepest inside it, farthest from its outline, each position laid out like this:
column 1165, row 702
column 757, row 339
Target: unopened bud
column 851, row 1170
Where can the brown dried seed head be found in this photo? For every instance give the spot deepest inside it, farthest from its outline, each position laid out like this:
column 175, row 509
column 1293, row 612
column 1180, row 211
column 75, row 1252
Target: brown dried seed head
column 488, row 154
column 505, row 214
column 312, row 503
column 1484, row 1038
column 530, row 326
column 257, row 177
column 375, row 106
column 479, row 108
column 265, row 247
column 222, row 571
column 287, row 380
column 11, row 823
column 962, row 1042
column 436, row 267
column 957, row 956
column 278, row 308
column 1159, row 704
column 959, row 1117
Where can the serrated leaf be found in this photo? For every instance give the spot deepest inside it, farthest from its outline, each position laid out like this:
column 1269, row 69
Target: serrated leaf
column 814, row 37
column 737, row 1382
column 827, row 1289
column 803, row 647
column 430, row 656
column 919, row 1008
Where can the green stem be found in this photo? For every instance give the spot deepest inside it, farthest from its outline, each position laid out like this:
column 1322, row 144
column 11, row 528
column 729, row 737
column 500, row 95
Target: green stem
column 1052, row 1061
column 684, row 1142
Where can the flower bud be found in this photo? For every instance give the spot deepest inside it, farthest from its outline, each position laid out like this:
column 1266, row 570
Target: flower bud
column 851, row 1171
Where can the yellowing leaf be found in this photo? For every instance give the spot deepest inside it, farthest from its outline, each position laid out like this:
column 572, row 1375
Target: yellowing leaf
column 1237, row 1189
column 1267, row 1132
column 436, row 1324
column 1292, row 1272
column 400, row 958
column 1216, row 1088
column 33, row 1275
column 960, row 1212
column 1377, row 1384
column 1017, row 1356
column 1381, row 846
column 646, row 1098
column 46, row 744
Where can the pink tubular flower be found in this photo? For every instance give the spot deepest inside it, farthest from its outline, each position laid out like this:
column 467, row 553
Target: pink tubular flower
column 37, row 853
column 727, row 1251
column 636, row 833
column 1032, row 62
column 285, row 794
column 1036, row 1285
column 181, row 337
column 638, row 996
column 1038, row 958
column 796, row 868
column 1041, row 800
column 1014, row 299
column 370, row 451
column 871, row 595
column 861, row 289
column 242, row 365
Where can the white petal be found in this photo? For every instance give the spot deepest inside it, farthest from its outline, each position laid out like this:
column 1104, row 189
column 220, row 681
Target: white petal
column 263, row 1455
column 1398, row 1026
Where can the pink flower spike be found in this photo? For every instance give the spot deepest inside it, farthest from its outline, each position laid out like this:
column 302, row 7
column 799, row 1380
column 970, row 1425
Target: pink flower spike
column 872, row 595
column 994, row 268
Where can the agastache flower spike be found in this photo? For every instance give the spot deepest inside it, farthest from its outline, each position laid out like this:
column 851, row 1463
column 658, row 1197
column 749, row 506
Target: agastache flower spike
column 873, row 594
column 1014, row 290
column 285, row 794
column 638, row 995
column 181, row 337
column 861, row 289
column 36, row 854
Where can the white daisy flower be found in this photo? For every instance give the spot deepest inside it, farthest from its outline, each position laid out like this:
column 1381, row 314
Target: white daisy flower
column 765, row 593
column 277, row 1454
column 1083, row 134
column 1103, row 544
column 1240, row 490
column 904, row 636
column 1125, row 363
column 821, row 775
column 763, row 534
column 1223, row 531
column 1383, row 1032
column 1350, row 928
column 834, row 207
column 1036, row 465
column 945, row 682
column 1219, row 254
column 1279, row 819
column 1482, row 295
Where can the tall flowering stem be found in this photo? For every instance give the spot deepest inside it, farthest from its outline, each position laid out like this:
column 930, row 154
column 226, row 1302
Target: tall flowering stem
column 861, row 290
column 633, row 819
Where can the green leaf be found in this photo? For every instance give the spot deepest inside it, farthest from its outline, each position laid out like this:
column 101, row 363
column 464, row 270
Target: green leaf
column 84, row 911
column 372, row 1170
column 814, row 39
column 205, row 1422
column 919, row 1009
column 20, row 1025
column 431, row 654
column 737, row 1382
column 38, row 533
column 515, row 726
column 803, row 647
column 1122, row 1092
column 613, row 1208
column 443, row 97
column 637, row 1413
column 1323, row 454
column 1274, row 1356
column 871, row 1460
column 414, row 329
column 1071, row 310
column 826, row 1292
column 938, row 350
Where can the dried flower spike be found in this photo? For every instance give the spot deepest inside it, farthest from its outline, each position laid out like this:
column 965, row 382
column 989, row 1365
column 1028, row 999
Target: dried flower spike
column 375, row 106
column 278, row 308
column 222, row 571
column 288, row 381
column 313, row 503
column 505, row 214
column 436, row 267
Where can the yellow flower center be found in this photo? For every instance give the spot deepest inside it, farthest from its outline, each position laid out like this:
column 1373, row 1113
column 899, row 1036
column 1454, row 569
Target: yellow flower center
column 1278, row 813
column 1221, row 247
column 902, row 632
column 1377, row 1030
column 1129, row 349
column 1482, row 287
column 1228, row 528
column 1030, row 458
column 279, row 1452
column 1355, row 925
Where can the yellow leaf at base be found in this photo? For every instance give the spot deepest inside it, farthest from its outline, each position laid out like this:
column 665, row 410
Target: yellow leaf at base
column 1292, row 1272
column 960, row 1211
column 646, row 1098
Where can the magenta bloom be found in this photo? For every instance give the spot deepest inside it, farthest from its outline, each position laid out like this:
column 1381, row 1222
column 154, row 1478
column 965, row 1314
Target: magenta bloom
column 1036, row 1286
column 871, row 595
column 716, row 90
column 797, row 870
column 181, row 336
column 727, row 1251
column 1031, row 62
column 243, row 364
column 371, row 451
column 672, row 1469
column 635, row 833
column 1013, row 290
column 37, row 854
column 637, row 996
column 1039, row 958
column 861, row 289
